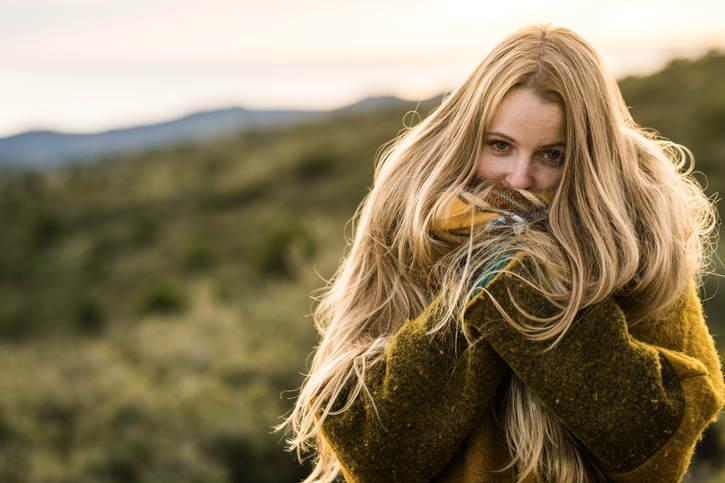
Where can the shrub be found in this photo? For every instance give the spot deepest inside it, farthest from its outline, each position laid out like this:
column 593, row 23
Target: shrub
column 256, row 461
column 45, row 229
column 160, row 297
column 312, row 166
column 227, row 200
column 198, row 254
column 12, row 324
column 88, row 316
column 275, row 249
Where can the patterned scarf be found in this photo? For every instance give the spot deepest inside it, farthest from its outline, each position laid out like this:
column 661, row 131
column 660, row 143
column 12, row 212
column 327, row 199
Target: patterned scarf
column 503, row 211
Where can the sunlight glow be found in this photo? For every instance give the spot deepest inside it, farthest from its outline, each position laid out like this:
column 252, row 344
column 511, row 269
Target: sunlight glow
column 94, row 64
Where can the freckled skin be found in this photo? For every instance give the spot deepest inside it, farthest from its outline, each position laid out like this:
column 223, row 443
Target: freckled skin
column 524, row 145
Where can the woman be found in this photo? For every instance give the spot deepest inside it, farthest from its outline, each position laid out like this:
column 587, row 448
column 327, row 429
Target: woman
column 519, row 300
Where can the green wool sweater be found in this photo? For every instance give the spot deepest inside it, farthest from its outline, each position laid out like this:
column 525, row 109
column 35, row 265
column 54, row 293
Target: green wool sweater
column 637, row 398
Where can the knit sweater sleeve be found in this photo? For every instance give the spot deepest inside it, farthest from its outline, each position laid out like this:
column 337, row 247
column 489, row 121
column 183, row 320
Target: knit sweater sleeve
column 424, row 398
column 639, row 405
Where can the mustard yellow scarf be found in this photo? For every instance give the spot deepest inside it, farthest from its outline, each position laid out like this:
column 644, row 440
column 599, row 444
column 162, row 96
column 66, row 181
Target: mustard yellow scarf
column 501, row 211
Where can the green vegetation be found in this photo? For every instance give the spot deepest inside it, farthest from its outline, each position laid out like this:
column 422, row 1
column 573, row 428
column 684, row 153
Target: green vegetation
column 153, row 309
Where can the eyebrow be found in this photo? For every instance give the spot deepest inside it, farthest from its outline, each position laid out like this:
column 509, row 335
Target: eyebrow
column 561, row 144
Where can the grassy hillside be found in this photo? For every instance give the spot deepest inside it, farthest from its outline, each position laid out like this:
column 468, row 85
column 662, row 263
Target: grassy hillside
column 153, row 309
column 124, row 233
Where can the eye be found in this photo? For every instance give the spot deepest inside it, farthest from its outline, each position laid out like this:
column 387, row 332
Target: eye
column 554, row 156
column 499, row 145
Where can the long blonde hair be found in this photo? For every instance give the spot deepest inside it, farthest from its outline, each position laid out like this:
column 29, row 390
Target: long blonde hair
column 626, row 221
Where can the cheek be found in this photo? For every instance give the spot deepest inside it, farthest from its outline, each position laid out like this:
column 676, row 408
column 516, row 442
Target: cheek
column 485, row 169
column 551, row 178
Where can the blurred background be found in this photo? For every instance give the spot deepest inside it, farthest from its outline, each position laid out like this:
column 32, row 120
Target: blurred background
column 175, row 180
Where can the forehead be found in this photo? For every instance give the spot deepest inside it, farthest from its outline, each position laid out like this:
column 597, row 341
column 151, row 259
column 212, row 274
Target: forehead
column 524, row 114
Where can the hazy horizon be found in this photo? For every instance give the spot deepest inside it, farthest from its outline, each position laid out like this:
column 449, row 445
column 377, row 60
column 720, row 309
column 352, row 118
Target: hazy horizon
column 303, row 86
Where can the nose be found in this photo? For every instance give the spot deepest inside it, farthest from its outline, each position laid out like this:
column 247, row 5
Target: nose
column 520, row 176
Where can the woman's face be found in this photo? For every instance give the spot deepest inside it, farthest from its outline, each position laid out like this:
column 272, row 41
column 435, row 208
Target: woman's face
column 524, row 146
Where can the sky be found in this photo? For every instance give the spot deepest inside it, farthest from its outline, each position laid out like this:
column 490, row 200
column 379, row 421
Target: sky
column 91, row 65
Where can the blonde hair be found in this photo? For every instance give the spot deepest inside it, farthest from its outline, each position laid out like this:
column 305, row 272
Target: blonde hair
column 626, row 221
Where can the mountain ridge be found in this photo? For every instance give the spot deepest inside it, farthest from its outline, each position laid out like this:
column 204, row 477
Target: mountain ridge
column 48, row 149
